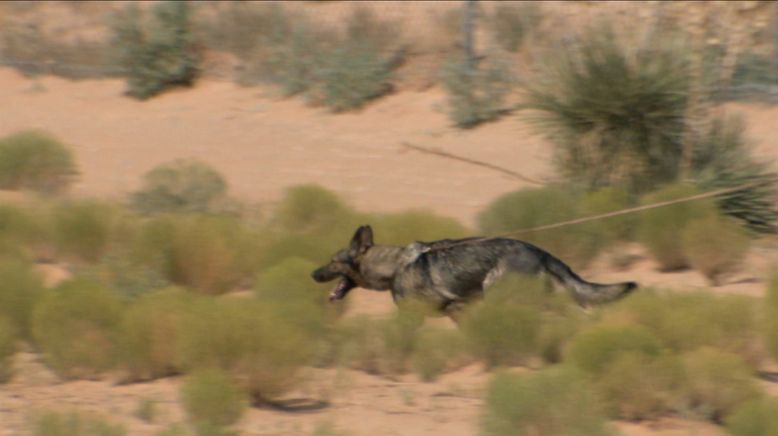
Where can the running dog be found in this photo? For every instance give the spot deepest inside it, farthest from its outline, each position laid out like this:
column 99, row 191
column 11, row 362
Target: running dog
column 448, row 273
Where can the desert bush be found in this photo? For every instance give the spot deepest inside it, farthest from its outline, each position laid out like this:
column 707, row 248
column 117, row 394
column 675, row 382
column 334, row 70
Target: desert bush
column 157, row 52
column 661, row 229
column 84, row 229
column 546, row 321
column 359, row 68
column 415, row 225
column 614, row 112
column 342, row 71
column 755, row 78
column 614, row 229
column 637, row 386
column 550, row 402
column 754, row 418
column 129, row 278
column 351, row 75
column 312, row 209
column 593, row 349
column 264, row 351
column 75, row 327
column 528, row 208
column 510, row 24
column 288, row 287
column 210, row 254
column 437, row 350
column 501, row 333
column 771, row 317
column 74, row 423
column 380, row 346
column 36, row 161
column 211, row 398
column 310, row 223
column 146, row 410
column 20, row 288
column 8, row 337
column 27, row 232
column 724, row 159
column 687, row 321
column 715, row 246
column 150, row 334
column 717, row 383
column 181, row 186
column 476, row 92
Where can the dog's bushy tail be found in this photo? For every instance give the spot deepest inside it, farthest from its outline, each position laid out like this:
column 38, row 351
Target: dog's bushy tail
column 585, row 293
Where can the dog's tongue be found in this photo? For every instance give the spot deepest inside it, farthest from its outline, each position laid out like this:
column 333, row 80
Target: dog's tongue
column 340, row 290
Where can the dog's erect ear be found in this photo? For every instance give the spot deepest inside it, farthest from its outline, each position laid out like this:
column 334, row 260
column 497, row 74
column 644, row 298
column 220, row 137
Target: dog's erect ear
column 363, row 239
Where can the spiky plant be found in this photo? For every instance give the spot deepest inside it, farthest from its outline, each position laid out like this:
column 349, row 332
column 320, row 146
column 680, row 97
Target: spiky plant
column 723, row 160
column 614, row 113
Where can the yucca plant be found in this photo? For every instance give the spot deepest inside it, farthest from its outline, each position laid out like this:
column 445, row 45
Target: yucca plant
column 723, row 160
column 615, row 114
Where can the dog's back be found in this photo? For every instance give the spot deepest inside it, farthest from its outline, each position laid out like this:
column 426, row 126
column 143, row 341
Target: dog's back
column 461, row 269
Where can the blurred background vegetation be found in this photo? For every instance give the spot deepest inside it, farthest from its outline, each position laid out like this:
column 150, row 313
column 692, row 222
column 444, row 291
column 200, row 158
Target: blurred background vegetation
column 179, row 278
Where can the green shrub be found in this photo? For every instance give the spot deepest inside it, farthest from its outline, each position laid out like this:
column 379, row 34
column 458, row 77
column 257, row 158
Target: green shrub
column 636, row 386
column 292, row 50
column 476, row 93
column 436, row 351
column 210, row 254
column 771, row 317
column 352, row 75
column 609, row 230
column 415, row 225
column 512, row 23
column 181, row 186
column 341, row 71
column 157, row 53
column 36, row 161
column 20, row 288
column 550, row 402
column 129, row 278
column 592, row 350
column 381, row 346
column 262, row 349
column 288, row 287
column 8, row 337
column 724, row 159
column 502, row 334
column 754, row 418
column 661, row 229
column 75, row 423
column 210, row 398
column 75, row 327
column 150, row 334
column 310, row 223
column 715, row 246
column 687, row 321
column 84, row 229
column 614, row 111
column 327, row 429
column 717, row 383
column 27, row 232
column 147, row 410
column 529, row 208
column 312, row 209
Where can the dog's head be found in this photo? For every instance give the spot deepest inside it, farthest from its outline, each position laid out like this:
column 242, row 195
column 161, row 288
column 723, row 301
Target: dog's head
column 345, row 264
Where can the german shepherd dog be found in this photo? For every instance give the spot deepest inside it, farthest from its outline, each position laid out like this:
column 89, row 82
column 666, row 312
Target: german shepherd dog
column 448, row 274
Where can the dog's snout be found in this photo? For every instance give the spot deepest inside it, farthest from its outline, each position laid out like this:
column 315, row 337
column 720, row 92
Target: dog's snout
column 320, row 275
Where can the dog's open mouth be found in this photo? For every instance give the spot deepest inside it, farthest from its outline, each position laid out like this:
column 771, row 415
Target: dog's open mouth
column 341, row 289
